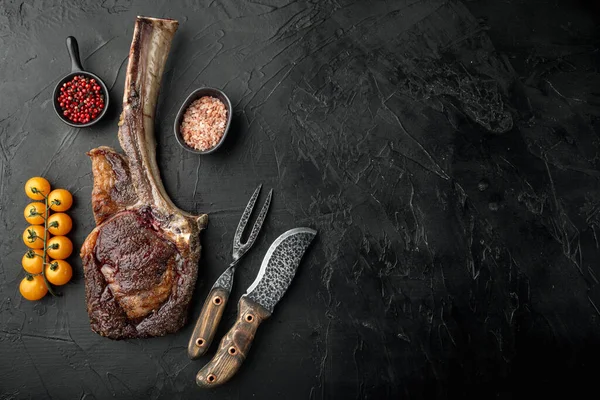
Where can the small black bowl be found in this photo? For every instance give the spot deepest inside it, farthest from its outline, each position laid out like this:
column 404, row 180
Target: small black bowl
column 196, row 94
column 77, row 69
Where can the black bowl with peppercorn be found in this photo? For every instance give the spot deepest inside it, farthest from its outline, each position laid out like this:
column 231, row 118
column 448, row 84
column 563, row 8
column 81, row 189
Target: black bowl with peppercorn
column 81, row 98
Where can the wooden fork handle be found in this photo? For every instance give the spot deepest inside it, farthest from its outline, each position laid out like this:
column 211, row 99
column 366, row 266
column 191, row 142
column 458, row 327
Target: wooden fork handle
column 208, row 322
column 234, row 347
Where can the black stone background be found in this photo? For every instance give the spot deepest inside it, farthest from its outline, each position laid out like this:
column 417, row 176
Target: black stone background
column 446, row 151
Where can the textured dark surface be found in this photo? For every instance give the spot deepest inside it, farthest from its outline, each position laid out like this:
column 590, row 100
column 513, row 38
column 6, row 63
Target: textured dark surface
column 446, row 152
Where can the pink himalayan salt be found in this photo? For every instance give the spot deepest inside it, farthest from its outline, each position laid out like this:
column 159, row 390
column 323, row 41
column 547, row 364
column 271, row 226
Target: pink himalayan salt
column 204, row 123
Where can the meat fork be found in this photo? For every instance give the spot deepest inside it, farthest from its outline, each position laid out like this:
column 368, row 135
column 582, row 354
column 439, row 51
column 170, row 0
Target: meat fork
column 215, row 302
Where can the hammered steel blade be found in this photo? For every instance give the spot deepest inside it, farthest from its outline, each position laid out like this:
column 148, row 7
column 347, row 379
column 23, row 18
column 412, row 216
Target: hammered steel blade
column 279, row 267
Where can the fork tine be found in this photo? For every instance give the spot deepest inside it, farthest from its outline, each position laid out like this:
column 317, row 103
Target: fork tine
column 259, row 220
column 237, row 238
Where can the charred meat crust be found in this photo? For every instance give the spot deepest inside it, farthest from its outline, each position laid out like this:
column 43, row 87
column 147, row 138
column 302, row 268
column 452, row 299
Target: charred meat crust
column 112, row 190
column 138, row 266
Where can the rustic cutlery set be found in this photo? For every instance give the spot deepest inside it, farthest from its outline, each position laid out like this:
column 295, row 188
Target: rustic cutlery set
column 275, row 275
column 141, row 260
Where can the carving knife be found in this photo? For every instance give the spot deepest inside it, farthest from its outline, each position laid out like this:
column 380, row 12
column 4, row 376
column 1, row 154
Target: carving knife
column 274, row 277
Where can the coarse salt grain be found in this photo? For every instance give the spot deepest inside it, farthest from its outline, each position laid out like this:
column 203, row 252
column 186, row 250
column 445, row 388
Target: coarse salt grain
column 204, row 123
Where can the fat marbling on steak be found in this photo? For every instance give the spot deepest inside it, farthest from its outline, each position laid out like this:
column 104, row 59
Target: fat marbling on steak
column 141, row 260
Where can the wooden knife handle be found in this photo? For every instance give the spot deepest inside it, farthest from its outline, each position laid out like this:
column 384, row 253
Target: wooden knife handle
column 207, row 323
column 234, row 347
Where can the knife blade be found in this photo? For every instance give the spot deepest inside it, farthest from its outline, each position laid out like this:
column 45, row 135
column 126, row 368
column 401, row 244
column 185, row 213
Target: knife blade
column 256, row 305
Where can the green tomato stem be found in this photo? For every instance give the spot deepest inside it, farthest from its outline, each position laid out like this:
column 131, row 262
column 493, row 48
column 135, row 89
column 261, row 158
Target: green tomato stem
column 44, row 263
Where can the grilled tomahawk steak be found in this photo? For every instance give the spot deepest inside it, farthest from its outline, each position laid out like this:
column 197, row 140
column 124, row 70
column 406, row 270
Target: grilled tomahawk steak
column 141, row 260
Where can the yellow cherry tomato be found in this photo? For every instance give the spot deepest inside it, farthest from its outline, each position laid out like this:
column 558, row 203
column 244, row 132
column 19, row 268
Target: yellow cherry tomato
column 59, row 247
column 33, row 236
column 33, row 287
column 60, row 200
column 35, row 213
column 37, row 187
column 59, row 224
column 32, row 261
column 59, row 272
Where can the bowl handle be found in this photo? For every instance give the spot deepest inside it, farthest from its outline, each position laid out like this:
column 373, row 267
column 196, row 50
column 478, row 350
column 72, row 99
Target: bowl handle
column 73, row 49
